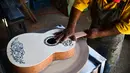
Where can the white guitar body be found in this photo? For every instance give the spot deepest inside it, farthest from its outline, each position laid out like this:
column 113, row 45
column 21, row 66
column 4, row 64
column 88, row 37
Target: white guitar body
column 33, row 52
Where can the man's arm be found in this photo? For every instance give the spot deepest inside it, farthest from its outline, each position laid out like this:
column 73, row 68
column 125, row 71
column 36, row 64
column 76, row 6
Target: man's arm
column 76, row 11
column 70, row 29
column 74, row 17
column 110, row 32
column 123, row 27
column 96, row 33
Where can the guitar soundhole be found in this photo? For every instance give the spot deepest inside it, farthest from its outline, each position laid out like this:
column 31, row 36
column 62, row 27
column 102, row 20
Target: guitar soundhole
column 50, row 41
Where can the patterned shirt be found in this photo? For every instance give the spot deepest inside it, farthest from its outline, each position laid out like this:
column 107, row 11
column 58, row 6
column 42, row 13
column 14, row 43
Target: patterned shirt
column 123, row 26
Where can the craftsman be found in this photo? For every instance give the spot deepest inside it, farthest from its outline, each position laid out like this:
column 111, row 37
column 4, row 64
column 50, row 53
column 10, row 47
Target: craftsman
column 110, row 22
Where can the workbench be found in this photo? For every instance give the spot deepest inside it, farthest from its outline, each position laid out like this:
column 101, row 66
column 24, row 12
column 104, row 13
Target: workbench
column 85, row 60
column 94, row 64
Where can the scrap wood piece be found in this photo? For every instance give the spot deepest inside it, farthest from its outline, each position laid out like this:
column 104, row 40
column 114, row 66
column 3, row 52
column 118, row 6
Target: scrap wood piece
column 28, row 11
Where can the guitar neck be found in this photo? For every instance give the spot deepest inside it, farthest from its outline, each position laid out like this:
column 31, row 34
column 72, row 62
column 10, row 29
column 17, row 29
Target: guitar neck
column 80, row 34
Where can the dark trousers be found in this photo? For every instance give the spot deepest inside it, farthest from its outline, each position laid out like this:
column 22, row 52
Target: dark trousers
column 109, row 47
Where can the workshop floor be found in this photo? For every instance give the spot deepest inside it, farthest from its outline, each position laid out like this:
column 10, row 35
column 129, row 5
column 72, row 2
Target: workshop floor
column 50, row 17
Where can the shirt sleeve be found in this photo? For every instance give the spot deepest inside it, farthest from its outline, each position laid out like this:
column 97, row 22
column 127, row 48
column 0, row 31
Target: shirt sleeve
column 81, row 4
column 124, row 25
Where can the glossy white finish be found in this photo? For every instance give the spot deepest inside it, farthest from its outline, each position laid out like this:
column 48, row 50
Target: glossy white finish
column 36, row 51
column 71, row 65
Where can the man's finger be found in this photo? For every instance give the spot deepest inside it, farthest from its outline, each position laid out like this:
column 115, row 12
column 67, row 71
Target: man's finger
column 59, row 37
column 73, row 38
column 63, row 38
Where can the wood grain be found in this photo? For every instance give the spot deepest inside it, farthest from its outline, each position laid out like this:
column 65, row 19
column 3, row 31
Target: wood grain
column 46, row 62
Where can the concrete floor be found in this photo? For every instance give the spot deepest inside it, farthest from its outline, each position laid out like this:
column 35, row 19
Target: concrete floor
column 50, row 17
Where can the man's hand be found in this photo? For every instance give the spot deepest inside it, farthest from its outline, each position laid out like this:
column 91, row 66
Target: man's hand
column 70, row 30
column 66, row 33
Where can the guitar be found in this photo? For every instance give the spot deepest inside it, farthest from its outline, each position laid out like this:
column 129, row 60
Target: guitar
column 33, row 52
